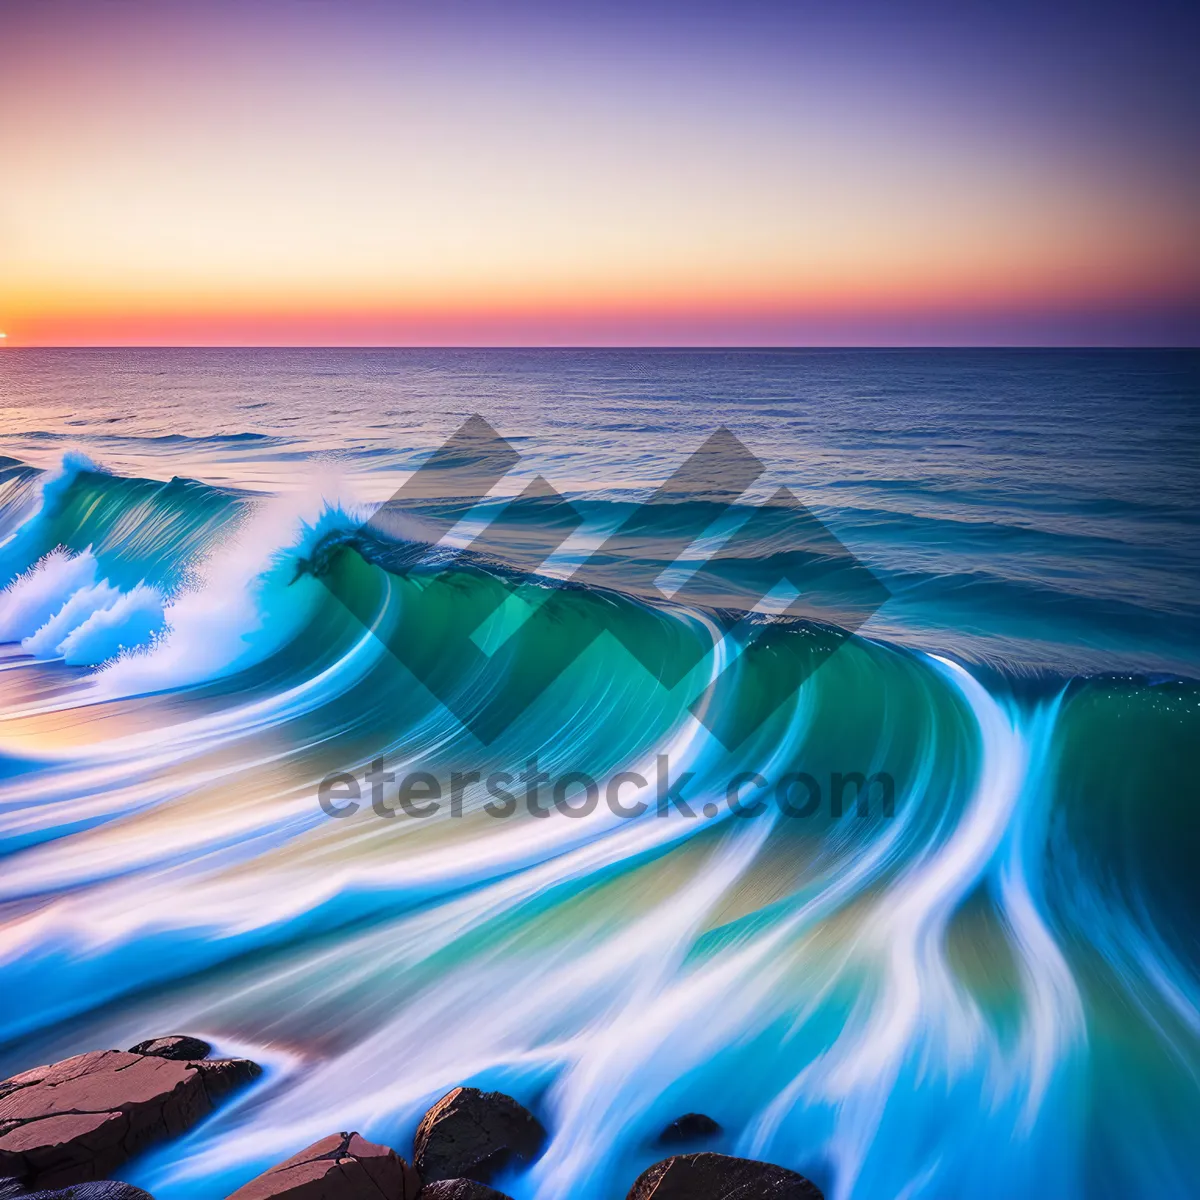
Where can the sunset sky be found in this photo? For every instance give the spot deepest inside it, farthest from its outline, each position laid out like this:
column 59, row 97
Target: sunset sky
column 468, row 172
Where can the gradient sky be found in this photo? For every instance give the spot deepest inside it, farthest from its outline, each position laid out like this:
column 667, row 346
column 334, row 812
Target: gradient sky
column 615, row 173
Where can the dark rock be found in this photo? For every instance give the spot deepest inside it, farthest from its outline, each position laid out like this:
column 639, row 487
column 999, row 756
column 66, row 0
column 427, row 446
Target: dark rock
column 719, row 1177
column 459, row 1189
column 224, row 1075
column 178, row 1046
column 691, row 1127
column 343, row 1166
column 106, row 1189
column 80, row 1119
column 469, row 1134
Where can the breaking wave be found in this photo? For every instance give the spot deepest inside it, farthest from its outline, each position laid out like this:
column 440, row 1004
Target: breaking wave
column 889, row 999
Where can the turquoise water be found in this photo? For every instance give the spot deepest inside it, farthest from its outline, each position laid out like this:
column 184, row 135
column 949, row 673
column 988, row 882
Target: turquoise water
column 994, row 987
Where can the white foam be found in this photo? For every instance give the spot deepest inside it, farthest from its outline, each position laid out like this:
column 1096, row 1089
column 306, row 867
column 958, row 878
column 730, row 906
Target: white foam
column 247, row 603
column 47, row 641
column 32, row 599
column 130, row 623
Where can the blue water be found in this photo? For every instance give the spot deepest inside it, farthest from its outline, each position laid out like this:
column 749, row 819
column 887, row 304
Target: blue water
column 993, row 988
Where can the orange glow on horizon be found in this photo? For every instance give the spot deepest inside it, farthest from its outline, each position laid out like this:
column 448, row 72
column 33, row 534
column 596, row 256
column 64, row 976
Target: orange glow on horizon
column 839, row 312
column 221, row 177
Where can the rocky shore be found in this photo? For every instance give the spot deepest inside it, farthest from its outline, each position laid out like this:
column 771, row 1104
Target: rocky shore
column 65, row 1127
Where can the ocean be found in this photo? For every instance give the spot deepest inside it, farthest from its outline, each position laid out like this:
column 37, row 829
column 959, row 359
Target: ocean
column 952, row 948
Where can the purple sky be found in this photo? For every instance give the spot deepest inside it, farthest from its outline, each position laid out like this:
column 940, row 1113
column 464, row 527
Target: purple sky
column 475, row 172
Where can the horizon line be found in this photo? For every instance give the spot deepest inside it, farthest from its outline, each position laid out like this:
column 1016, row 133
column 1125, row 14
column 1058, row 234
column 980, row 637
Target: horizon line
column 650, row 346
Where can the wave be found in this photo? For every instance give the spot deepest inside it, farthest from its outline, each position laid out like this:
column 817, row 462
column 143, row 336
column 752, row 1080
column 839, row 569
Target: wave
column 996, row 966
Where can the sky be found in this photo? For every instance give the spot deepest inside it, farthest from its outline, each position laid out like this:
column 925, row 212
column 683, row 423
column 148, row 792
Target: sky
column 661, row 173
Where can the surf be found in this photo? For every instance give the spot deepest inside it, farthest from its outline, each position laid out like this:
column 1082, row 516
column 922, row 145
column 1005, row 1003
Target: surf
column 880, row 1001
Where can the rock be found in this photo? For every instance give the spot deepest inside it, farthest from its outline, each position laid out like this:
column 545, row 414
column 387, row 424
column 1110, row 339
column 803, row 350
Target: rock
column 343, row 1166
column 178, row 1046
column 459, row 1189
column 108, row 1189
column 78, row 1120
column 719, row 1177
column 691, row 1127
column 469, row 1134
